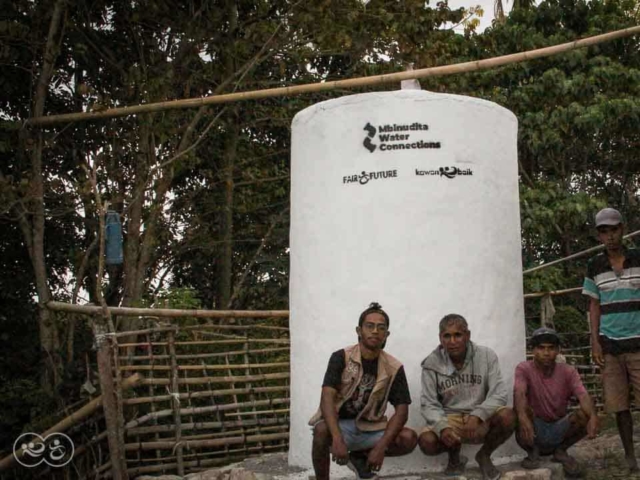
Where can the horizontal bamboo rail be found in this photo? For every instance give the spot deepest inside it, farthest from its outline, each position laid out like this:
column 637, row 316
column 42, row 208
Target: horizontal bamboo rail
column 324, row 86
column 203, row 380
column 260, row 412
column 133, row 447
column 201, row 410
column 280, row 341
column 74, row 418
column 575, row 255
column 199, row 356
column 166, row 312
column 177, row 328
column 207, row 425
column 553, row 293
column 202, row 463
column 231, row 366
column 205, row 394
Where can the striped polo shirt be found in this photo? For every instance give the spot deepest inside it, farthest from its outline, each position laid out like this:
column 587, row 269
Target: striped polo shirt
column 619, row 301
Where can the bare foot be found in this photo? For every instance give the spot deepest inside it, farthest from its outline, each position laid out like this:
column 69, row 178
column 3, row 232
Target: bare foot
column 488, row 469
column 533, row 459
column 456, row 465
column 632, row 463
column 569, row 464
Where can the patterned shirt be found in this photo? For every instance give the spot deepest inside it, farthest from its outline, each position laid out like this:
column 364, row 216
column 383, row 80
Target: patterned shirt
column 619, row 296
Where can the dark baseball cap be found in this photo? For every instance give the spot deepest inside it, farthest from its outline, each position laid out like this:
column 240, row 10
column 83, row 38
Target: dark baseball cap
column 544, row 335
column 608, row 216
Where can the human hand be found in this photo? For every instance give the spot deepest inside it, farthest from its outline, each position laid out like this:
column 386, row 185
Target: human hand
column 596, row 352
column 473, row 429
column 592, row 427
column 526, row 430
column 375, row 458
column 449, row 438
column 339, row 451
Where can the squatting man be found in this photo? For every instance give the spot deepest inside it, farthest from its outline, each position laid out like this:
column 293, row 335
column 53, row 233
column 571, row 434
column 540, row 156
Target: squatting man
column 359, row 382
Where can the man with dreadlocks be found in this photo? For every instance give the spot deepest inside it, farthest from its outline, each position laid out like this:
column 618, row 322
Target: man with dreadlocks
column 463, row 399
column 351, row 424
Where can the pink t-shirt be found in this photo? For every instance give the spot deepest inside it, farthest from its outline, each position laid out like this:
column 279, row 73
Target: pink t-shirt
column 548, row 396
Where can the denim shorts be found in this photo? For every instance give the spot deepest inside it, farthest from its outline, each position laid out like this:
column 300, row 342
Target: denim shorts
column 357, row 439
column 550, row 434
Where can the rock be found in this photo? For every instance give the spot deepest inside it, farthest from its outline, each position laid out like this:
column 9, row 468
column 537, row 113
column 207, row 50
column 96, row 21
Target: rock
column 223, row 474
column 537, row 474
column 161, row 477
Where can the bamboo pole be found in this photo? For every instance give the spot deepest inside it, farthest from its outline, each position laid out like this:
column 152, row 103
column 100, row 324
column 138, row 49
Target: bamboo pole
column 208, row 425
column 170, row 445
column 554, row 293
column 576, row 255
column 74, row 418
column 278, row 341
column 203, row 455
column 197, row 463
column 231, row 366
column 176, row 402
column 261, row 412
column 202, row 410
column 324, row 86
column 142, row 358
column 203, row 380
column 167, row 312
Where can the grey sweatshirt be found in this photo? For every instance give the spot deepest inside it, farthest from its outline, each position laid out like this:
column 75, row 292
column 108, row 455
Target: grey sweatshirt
column 477, row 389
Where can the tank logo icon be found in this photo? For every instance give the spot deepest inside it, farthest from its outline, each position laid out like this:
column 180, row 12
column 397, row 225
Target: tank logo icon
column 365, row 177
column 447, row 172
column 371, row 132
column 56, row 450
column 396, row 136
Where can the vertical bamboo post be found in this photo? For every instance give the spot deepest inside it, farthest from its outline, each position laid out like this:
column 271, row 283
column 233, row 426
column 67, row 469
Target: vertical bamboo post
column 152, row 362
column 213, row 403
column 252, row 396
column 175, row 402
column 115, row 435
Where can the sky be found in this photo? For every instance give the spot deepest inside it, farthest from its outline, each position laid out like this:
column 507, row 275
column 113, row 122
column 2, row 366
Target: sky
column 487, row 5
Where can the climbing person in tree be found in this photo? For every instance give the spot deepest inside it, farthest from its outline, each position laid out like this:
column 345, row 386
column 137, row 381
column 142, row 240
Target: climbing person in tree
column 350, row 424
column 463, row 400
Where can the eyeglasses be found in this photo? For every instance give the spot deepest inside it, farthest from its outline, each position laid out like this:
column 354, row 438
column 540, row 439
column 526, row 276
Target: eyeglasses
column 372, row 327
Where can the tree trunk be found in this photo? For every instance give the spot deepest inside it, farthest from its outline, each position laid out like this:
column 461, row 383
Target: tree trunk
column 225, row 271
column 49, row 338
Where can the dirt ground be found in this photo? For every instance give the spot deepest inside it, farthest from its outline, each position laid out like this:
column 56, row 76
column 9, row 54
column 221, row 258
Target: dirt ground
column 601, row 458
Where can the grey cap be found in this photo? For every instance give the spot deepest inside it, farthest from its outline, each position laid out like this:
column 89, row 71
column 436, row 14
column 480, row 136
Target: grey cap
column 608, row 216
column 544, row 335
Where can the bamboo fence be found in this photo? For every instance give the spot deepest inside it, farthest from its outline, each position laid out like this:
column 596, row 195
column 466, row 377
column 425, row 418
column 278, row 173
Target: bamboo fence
column 190, row 403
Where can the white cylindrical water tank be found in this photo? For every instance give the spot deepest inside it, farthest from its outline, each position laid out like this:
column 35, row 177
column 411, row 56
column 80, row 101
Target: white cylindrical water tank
column 409, row 199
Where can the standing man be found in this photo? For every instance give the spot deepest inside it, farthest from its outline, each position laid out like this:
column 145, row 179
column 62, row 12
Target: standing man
column 351, row 424
column 542, row 390
column 463, row 399
column 613, row 285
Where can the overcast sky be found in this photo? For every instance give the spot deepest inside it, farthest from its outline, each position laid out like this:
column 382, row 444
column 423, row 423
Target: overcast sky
column 487, row 5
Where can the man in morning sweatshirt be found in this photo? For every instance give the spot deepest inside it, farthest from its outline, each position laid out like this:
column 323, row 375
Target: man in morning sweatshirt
column 463, row 400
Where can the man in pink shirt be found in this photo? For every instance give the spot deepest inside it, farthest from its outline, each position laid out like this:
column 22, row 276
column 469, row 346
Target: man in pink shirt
column 542, row 390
